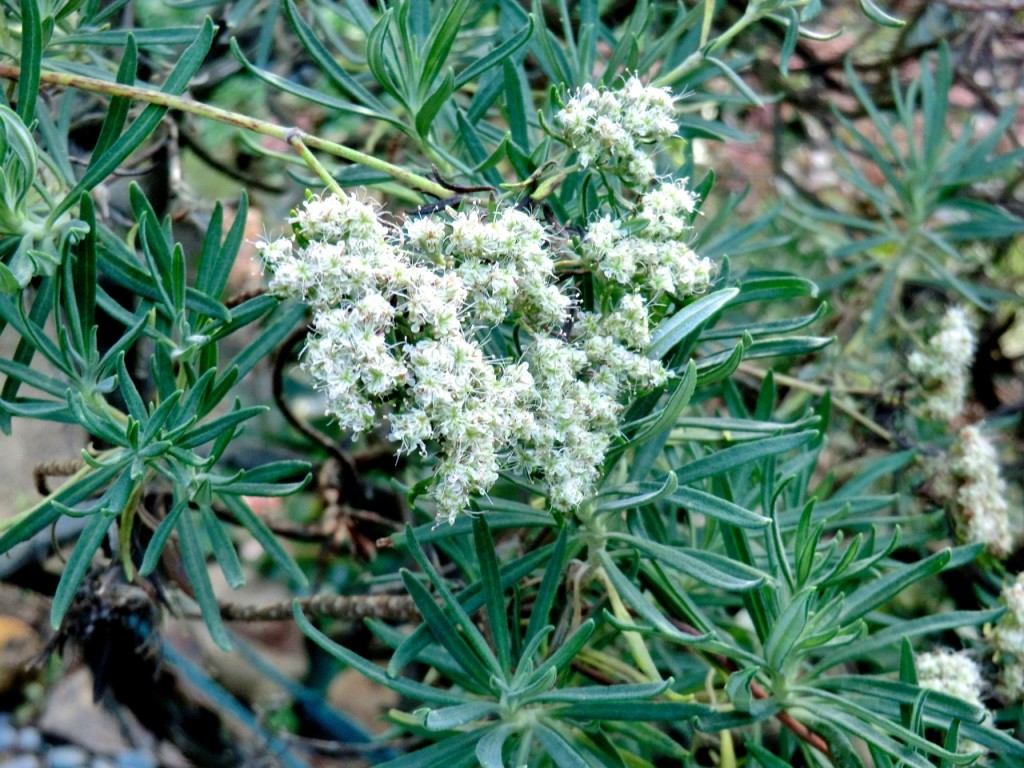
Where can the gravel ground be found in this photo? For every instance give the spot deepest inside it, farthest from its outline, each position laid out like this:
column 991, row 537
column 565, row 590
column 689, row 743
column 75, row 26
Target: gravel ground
column 26, row 747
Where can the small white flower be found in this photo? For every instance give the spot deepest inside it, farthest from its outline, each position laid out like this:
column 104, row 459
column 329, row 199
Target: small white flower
column 427, row 233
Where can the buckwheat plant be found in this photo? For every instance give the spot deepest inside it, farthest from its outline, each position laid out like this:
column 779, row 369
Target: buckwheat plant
column 581, row 493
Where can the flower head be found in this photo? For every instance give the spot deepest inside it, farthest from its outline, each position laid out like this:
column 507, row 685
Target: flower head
column 942, row 366
column 610, row 128
column 981, row 509
column 400, row 319
column 954, row 673
column 1007, row 638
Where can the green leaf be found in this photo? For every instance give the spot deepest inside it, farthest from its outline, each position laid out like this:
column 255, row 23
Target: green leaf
column 223, row 548
column 878, row 16
column 204, row 433
column 496, row 56
column 738, row 82
column 687, row 322
column 567, row 651
column 117, row 110
column 31, row 59
column 548, row 589
column 259, row 531
column 516, row 104
column 446, row 632
column 453, row 752
column 656, row 493
column 489, row 748
column 774, row 288
column 490, row 583
column 9, row 282
column 177, row 81
column 646, row 711
column 878, row 730
column 560, row 749
column 765, row 758
column 879, row 591
column 377, row 57
column 458, row 613
column 199, row 579
column 459, row 715
column 41, row 381
column 669, row 414
column 216, row 263
column 130, row 393
column 737, row 456
column 1003, row 744
column 270, row 336
column 439, row 45
column 328, row 64
column 788, row 630
column 433, row 104
column 471, row 598
column 595, row 694
column 414, row 690
column 159, row 539
column 639, row 602
column 949, row 707
column 288, row 85
column 89, row 541
column 123, row 38
column 266, row 480
column 85, row 271
column 704, row 567
column 694, row 500
column 870, row 647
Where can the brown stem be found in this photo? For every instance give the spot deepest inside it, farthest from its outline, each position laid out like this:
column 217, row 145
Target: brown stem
column 800, row 730
column 348, row 607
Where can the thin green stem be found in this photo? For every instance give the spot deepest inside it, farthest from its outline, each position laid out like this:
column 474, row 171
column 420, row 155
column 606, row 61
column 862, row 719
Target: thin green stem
column 817, row 389
column 694, row 60
column 303, row 151
column 262, row 127
column 634, row 640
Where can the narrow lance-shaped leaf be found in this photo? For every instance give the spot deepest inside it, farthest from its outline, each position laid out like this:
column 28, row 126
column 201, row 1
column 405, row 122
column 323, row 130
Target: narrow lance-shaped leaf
column 31, row 59
column 186, row 67
column 687, row 321
column 78, row 563
column 199, row 580
column 117, row 110
column 490, row 578
column 410, row 688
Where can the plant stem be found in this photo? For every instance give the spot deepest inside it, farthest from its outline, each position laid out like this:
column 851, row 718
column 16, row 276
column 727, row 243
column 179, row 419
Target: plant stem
column 817, row 389
column 634, row 640
column 303, row 151
column 262, row 127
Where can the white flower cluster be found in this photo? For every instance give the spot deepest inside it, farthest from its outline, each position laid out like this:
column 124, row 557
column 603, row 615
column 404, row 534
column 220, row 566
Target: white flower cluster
column 399, row 320
column 656, row 257
column 577, row 390
column 981, row 511
column 942, row 366
column 1007, row 638
column 608, row 129
column 954, row 673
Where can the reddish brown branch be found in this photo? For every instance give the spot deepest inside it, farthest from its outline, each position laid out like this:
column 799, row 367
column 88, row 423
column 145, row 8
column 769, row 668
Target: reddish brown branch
column 800, row 730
